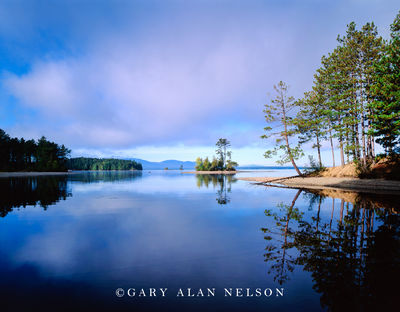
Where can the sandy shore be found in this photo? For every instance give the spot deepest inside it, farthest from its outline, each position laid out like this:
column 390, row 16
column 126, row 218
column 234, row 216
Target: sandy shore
column 350, row 184
column 211, row 172
column 30, row 174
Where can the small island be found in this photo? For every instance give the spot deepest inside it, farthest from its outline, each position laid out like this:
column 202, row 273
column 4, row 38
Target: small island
column 220, row 164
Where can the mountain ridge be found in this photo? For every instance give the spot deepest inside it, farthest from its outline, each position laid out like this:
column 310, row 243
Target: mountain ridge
column 174, row 164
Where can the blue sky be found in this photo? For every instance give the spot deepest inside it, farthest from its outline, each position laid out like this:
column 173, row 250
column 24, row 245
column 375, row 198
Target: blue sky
column 163, row 79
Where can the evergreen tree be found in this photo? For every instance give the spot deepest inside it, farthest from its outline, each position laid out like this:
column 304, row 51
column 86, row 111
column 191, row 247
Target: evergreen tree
column 20, row 154
column 222, row 145
column 84, row 163
column 222, row 162
column 279, row 111
column 385, row 108
column 310, row 121
column 199, row 164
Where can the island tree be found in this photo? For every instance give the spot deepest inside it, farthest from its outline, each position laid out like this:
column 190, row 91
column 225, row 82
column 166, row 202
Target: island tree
column 222, row 145
column 223, row 160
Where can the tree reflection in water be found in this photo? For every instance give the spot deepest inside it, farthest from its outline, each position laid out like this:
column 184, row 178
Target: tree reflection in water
column 31, row 191
column 281, row 263
column 353, row 254
column 222, row 182
column 16, row 192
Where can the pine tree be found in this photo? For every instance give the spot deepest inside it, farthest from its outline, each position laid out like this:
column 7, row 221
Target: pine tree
column 279, row 111
column 371, row 50
column 385, row 90
column 310, row 121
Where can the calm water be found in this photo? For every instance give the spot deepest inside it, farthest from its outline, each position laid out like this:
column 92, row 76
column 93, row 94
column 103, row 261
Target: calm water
column 68, row 242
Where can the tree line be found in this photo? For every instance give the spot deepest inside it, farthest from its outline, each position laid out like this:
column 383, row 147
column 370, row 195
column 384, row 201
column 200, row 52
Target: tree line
column 221, row 162
column 30, row 155
column 84, row 163
column 353, row 104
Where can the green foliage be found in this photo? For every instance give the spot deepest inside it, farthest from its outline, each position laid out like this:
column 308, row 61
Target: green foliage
column 84, row 163
column 222, row 162
column 199, row 164
column 343, row 85
column 385, row 109
column 222, row 145
column 314, row 167
column 311, row 121
column 43, row 155
column 214, row 164
column 355, row 97
column 278, row 111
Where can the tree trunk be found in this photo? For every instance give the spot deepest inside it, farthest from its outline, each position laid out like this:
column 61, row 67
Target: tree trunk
column 319, row 152
column 330, row 223
column 363, row 136
column 347, row 144
column 341, row 151
column 319, row 209
column 287, row 226
column 362, row 113
column 224, row 157
column 373, row 147
column 332, row 148
column 287, row 139
column 341, row 210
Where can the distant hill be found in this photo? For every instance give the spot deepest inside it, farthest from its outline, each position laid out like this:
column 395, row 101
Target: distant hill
column 190, row 165
column 170, row 164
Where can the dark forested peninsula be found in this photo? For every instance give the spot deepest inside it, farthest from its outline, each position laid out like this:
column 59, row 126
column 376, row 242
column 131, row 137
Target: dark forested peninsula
column 83, row 163
column 43, row 155
column 30, row 155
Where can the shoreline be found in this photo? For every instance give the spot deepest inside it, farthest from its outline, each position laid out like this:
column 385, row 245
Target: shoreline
column 13, row 174
column 347, row 184
column 32, row 174
column 212, row 172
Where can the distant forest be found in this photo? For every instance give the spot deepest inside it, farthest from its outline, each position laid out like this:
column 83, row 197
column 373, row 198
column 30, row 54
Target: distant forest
column 43, row 155
column 83, row 163
column 30, row 155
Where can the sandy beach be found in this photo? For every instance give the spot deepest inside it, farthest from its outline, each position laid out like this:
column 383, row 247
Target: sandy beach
column 350, row 184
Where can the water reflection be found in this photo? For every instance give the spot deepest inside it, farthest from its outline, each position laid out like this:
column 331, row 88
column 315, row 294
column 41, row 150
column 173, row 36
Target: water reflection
column 44, row 191
column 350, row 243
column 21, row 192
column 280, row 262
column 222, row 182
column 104, row 176
column 335, row 249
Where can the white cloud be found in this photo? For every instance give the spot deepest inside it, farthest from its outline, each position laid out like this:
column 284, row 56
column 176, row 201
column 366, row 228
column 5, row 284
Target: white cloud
column 124, row 95
column 183, row 74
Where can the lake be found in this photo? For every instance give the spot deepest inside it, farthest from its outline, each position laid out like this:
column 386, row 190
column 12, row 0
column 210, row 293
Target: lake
column 110, row 240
